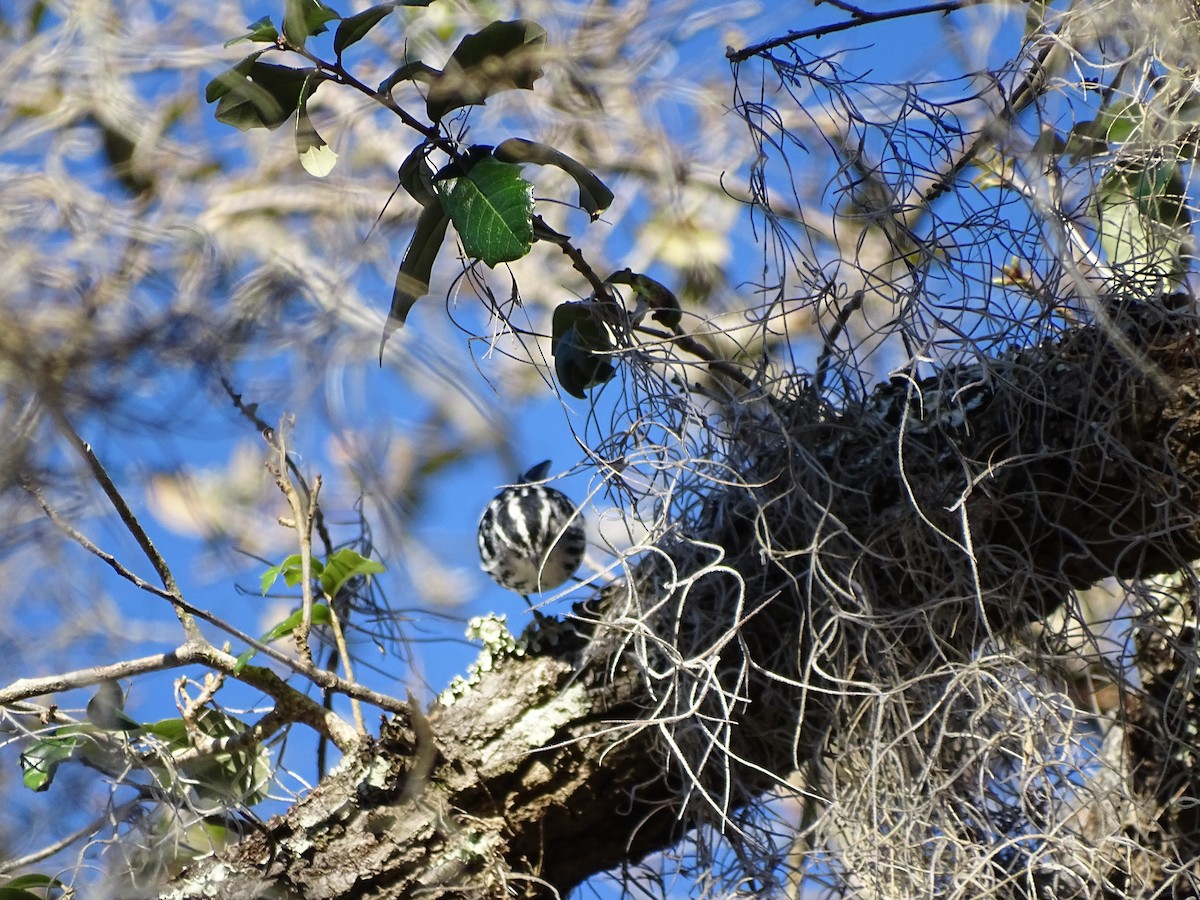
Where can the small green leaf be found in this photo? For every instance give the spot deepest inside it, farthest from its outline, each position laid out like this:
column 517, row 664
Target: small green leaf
column 290, row 569
column 242, row 660
column 353, row 29
column 594, row 195
column 260, row 32
column 344, row 565
column 657, row 296
column 41, row 759
column 304, row 18
column 502, row 56
column 582, row 348
column 492, row 209
column 254, row 94
column 320, row 616
column 317, row 157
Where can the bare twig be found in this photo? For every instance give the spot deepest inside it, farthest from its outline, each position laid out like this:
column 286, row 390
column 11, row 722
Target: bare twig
column 302, row 518
column 859, row 17
column 250, row 412
column 339, row 637
column 173, row 593
column 74, row 534
column 29, row 859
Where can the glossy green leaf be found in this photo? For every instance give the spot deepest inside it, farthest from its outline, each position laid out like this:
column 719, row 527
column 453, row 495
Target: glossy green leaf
column 582, row 348
column 344, row 565
column 354, row 28
column 304, row 18
column 255, row 94
column 320, row 616
column 502, row 56
column 290, row 569
column 261, row 32
column 657, row 296
column 41, row 758
column 491, row 207
column 18, row 888
column 594, row 195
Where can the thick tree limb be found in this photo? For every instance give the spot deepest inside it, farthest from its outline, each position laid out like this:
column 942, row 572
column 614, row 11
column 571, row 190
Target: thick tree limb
column 935, row 513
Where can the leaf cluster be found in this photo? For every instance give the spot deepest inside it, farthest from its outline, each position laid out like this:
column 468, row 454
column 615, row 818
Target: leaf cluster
column 480, row 189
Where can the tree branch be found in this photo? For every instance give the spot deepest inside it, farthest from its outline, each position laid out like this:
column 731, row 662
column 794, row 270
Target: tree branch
column 1065, row 461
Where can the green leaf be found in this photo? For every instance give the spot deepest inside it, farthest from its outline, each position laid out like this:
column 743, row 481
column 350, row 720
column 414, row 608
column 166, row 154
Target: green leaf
column 412, row 279
column 15, row 888
column 491, row 207
column 316, row 156
column 255, row 94
column 344, row 565
column 582, row 347
column 41, row 759
column 501, row 57
column 304, row 18
column 242, row 660
column 320, row 616
column 657, row 296
column 416, row 176
column 9, row 893
column 260, row 32
column 353, row 29
column 173, row 731
column 290, row 569
column 594, row 195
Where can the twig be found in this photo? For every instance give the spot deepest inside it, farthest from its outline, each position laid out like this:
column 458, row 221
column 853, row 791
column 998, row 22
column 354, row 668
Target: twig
column 87, row 831
column 78, row 537
column 690, row 345
column 250, row 411
column 173, row 593
column 334, row 71
column 339, row 637
column 302, row 518
column 24, row 688
column 859, row 17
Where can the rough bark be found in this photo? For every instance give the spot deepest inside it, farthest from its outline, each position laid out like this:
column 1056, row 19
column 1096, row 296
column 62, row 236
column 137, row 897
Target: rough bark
column 1070, row 462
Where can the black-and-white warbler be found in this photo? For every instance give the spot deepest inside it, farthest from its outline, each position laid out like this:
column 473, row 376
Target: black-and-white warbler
column 531, row 537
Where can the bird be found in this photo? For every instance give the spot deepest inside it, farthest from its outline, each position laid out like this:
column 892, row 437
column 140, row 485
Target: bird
column 531, row 537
